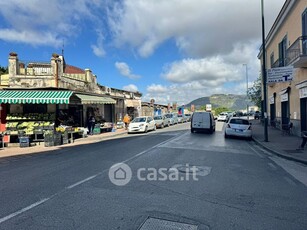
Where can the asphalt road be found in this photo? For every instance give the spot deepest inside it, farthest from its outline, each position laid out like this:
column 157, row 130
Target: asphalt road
column 237, row 185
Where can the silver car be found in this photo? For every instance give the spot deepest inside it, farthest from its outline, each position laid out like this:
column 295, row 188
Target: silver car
column 161, row 121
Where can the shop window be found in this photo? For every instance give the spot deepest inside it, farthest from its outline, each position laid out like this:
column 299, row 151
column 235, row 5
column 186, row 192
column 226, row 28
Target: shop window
column 34, row 108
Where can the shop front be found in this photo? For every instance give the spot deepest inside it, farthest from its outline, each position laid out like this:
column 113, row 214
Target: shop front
column 34, row 113
column 133, row 107
column 303, row 104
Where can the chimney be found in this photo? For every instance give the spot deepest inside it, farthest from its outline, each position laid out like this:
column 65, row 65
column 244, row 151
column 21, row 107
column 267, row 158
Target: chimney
column 13, row 64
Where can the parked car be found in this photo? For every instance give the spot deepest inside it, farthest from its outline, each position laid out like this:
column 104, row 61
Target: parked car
column 175, row 118
column 170, row 117
column 142, row 124
column 181, row 118
column 238, row 127
column 188, row 116
column 161, row 121
column 202, row 121
column 222, row 117
column 257, row 115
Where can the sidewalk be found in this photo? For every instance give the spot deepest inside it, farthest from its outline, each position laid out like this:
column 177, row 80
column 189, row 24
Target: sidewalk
column 280, row 144
column 38, row 148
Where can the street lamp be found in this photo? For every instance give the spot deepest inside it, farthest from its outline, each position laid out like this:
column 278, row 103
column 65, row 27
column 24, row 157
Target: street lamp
column 264, row 78
column 246, row 90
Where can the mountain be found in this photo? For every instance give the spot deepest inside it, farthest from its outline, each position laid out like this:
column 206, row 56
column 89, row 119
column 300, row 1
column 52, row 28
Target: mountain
column 231, row 101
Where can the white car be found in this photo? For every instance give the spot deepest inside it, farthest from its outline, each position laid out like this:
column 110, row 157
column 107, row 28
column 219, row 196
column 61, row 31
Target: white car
column 238, row 127
column 142, row 124
column 222, row 117
column 181, row 118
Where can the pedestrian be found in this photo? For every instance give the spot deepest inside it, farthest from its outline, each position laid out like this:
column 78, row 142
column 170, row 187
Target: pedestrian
column 304, row 141
column 126, row 120
column 91, row 125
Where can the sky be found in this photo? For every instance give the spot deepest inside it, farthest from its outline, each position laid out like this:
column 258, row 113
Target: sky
column 173, row 51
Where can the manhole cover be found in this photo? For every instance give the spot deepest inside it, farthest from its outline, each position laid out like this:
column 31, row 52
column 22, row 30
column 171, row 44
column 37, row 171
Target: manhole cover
column 160, row 224
column 190, row 169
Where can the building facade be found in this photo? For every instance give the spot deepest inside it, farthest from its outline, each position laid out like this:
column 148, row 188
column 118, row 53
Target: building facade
column 286, row 52
column 28, row 80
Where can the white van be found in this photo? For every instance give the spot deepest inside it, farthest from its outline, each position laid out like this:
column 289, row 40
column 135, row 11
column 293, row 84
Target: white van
column 202, row 121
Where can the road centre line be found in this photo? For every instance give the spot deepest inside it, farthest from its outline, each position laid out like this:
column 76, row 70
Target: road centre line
column 82, row 181
column 3, row 219
column 23, row 210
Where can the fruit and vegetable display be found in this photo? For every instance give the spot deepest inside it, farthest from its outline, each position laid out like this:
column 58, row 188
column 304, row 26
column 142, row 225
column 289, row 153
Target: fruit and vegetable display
column 29, row 123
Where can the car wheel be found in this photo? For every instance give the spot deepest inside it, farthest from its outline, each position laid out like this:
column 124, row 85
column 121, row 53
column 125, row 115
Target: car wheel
column 226, row 136
column 162, row 126
column 169, row 124
column 192, row 130
column 155, row 127
column 146, row 129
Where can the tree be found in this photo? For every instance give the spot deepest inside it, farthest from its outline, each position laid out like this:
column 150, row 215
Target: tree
column 254, row 92
column 219, row 110
column 3, row 70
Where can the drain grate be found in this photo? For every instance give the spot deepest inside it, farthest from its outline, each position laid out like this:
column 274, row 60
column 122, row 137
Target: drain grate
column 187, row 169
column 160, row 224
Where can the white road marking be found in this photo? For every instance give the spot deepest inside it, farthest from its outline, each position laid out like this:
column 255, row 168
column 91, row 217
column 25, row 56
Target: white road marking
column 298, row 171
column 23, row 210
column 3, row 219
column 82, row 181
column 272, row 166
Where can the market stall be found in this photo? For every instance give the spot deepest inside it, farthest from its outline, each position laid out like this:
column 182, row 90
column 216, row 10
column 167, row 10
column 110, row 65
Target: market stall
column 39, row 114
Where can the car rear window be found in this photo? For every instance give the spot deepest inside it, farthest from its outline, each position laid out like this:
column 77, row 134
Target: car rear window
column 158, row 118
column 139, row 119
column 239, row 122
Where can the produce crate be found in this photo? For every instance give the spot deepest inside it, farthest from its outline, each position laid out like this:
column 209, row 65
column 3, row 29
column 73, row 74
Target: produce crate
column 57, row 138
column 65, row 138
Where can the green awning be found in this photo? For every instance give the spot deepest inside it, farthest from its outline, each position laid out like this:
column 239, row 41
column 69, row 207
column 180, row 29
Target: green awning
column 89, row 99
column 34, row 97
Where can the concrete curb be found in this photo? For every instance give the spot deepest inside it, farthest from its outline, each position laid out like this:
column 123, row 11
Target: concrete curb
column 292, row 158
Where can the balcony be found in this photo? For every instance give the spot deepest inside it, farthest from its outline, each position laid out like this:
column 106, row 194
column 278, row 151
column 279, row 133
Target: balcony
column 297, row 53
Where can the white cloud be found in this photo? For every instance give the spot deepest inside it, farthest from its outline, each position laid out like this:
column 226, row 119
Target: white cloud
column 154, row 88
column 207, row 71
column 199, row 28
column 131, row 88
column 125, row 70
column 214, row 37
column 44, row 22
column 98, row 49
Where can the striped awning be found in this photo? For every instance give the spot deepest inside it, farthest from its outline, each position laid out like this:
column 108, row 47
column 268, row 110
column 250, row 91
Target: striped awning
column 34, row 97
column 89, row 99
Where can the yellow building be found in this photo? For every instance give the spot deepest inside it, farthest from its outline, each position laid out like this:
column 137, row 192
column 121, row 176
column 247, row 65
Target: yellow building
column 286, row 63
